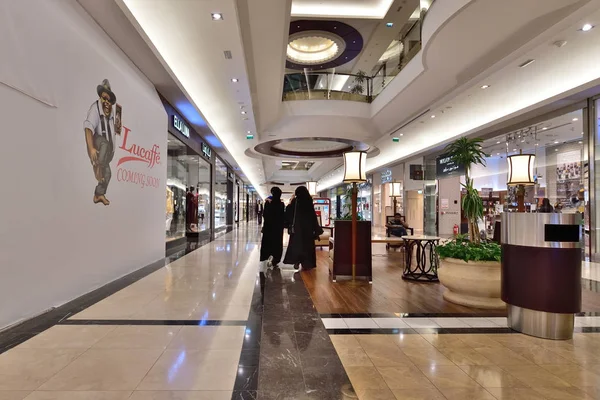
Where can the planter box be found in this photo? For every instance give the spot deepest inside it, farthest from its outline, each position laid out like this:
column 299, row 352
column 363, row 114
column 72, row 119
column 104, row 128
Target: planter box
column 342, row 250
column 474, row 284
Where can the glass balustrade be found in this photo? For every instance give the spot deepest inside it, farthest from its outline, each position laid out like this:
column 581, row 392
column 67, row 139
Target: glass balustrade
column 362, row 86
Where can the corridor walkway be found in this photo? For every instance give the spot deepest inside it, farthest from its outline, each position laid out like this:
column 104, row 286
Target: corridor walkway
column 205, row 326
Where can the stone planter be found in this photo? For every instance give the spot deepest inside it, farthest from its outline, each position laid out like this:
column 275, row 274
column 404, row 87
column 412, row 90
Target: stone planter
column 474, row 284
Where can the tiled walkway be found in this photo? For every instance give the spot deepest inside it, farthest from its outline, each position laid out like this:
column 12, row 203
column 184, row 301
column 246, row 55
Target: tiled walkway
column 206, row 326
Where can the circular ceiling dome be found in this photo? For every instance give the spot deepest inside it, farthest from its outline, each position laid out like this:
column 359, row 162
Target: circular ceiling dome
column 315, row 147
column 312, row 47
column 320, row 44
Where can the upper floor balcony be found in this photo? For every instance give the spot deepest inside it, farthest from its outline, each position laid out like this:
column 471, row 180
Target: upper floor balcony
column 360, row 85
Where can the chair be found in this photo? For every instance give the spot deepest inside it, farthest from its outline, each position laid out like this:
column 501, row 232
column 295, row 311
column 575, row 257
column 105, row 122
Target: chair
column 388, row 232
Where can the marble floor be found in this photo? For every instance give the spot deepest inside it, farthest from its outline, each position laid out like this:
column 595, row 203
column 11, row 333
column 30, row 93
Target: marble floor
column 205, row 325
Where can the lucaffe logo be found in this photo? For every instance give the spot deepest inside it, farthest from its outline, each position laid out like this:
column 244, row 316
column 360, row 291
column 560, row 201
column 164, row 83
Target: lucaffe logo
column 138, row 153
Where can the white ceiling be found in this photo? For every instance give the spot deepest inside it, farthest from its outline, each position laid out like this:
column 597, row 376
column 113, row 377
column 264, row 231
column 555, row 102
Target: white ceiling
column 192, row 46
column 375, row 9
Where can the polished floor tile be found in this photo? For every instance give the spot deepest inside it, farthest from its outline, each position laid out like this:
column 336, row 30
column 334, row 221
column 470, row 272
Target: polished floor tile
column 354, row 357
column 390, row 323
column 13, row 395
column 344, row 341
column 68, row 337
column 209, row 337
column 83, row 395
column 418, row 394
column 478, row 340
column 366, row 378
column 571, row 393
column 104, row 369
column 471, row 393
column 420, row 323
column 193, row 370
column 426, row 357
column 539, row 355
column 27, row 369
column 181, row 395
column 502, row 356
column 138, row 337
column 382, row 394
column 491, row 376
column 360, row 323
column 479, row 322
column 465, row 356
column 450, row 323
column 446, row 376
column 515, row 393
column 443, row 341
column 535, row 376
column 575, row 375
column 405, row 377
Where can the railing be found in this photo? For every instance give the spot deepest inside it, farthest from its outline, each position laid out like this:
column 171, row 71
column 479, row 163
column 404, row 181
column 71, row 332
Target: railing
column 362, row 86
column 327, row 86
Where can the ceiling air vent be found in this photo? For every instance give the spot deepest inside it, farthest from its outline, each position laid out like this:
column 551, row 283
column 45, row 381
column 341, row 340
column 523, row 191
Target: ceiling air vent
column 227, row 54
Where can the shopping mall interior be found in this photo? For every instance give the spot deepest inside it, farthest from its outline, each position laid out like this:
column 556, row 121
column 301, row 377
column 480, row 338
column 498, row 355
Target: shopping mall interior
column 449, row 248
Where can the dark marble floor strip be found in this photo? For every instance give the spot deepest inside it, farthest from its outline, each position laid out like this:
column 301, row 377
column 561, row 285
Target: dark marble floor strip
column 25, row 330
column 186, row 322
column 246, row 381
column 297, row 358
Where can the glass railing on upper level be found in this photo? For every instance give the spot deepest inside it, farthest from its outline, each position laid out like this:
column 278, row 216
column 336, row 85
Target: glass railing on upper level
column 327, row 86
column 363, row 86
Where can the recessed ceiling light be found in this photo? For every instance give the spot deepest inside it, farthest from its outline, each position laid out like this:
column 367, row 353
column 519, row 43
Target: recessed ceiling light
column 433, row 116
column 485, row 86
column 249, row 132
column 555, row 149
column 389, row 24
column 235, row 80
column 575, row 119
column 556, row 142
column 498, row 142
column 537, row 144
column 243, row 112
column 216, row 16
column 514, row 149
column 402, row 134
column 544, row 128
column 580, row 142
column 587, row 27
column 497, row 154
column 526, row 63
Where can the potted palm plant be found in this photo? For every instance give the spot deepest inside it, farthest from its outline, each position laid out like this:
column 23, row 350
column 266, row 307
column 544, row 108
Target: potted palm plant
column 469, row 267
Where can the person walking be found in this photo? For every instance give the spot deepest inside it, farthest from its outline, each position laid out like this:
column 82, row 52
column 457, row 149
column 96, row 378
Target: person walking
column 546, row 207
column 304, row 228
column 259, row 212
column 271, row 246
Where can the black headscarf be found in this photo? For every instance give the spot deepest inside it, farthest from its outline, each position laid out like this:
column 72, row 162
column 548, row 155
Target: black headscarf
column 276, row 193
column 303, row 198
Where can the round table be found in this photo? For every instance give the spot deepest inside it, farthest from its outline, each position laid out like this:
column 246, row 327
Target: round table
column 426, row 260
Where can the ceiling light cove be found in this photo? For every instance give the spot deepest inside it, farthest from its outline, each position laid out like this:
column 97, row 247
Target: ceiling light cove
column 365, row 9
column 314, row 47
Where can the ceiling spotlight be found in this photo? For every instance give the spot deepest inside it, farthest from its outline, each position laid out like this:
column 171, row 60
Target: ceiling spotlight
column 485, row 86
column 555, row 149
column 402, row 134
column 498, row 142
column 433, row 116
column 582, row 133
column 514, row 149
column 249, row 132
column 235, row 80
column 217, row 16
column 497, row 154
column 389, row 24
column 244, row 113
column 556, row 142
column 580, row 142
column 544, row 128
column 526, row 63
column 537, row 144
column 587, row 27
column 575, row 119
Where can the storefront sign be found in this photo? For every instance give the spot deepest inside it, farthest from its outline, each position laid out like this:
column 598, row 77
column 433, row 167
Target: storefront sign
column 206, row 151
column 230, row 176
column 386, row 176
column 444, row 167
column 181, row 126
column 485, row 192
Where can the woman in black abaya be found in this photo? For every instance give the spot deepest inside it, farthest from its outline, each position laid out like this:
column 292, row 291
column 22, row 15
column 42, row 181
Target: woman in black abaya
column 303, row 228
column 272, row 231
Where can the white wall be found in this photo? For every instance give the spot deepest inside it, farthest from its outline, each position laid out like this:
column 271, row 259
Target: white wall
column 55, row 243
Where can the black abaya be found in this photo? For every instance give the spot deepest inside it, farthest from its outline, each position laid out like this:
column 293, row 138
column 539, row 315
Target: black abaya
column 301, row 248
column 272, row 238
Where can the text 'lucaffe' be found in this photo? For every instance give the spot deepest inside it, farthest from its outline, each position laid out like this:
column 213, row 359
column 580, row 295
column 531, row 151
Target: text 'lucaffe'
column 139, row 153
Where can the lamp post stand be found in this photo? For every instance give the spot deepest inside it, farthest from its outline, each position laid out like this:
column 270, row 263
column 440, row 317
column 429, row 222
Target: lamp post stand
column 354, row 228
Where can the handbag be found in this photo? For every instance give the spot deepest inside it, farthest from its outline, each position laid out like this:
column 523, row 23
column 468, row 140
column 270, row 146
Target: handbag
column 291, row 229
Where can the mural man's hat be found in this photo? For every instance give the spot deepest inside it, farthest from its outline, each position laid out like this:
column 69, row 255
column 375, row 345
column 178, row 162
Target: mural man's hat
column 105, row 88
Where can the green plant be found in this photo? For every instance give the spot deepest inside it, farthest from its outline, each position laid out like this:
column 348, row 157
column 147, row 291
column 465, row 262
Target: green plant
column 462, row 249
column 468, row 152
column 359, row 80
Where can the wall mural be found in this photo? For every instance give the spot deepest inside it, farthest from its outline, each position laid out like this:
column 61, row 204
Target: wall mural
column 103, row 127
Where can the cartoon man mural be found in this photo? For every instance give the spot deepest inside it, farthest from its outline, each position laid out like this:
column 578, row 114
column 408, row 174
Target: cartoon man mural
column 101, row 126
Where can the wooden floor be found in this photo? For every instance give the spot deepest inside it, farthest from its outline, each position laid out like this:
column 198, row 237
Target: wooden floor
column 389, row 293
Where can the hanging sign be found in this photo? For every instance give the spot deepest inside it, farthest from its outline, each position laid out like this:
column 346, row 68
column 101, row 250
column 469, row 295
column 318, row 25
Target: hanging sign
column 386, row 176
column 181, row 126
column 444, row 167
column 206, row 151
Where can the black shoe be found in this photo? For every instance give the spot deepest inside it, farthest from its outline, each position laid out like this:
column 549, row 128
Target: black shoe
column 296, row 266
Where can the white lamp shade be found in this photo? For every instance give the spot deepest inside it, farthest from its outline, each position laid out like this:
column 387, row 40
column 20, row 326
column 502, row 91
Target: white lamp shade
column 396, row 189
column 312, row 188
column 520, row 169
column 355, row 163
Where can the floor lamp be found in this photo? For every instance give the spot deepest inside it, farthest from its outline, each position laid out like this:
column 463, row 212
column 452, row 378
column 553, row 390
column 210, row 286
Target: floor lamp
column 520, row 174
column 354, row 173
column 396, row 192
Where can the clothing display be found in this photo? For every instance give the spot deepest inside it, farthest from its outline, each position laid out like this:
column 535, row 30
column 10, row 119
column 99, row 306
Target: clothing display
column 170, row 205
